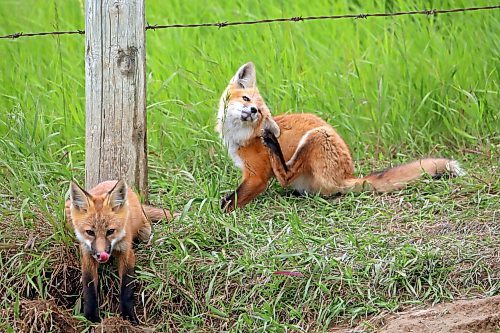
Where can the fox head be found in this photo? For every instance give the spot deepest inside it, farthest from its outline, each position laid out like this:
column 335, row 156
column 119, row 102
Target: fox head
column 242, row 110
column 99, row 220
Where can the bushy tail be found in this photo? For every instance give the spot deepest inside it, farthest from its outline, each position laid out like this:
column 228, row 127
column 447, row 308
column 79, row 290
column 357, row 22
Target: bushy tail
column 156, row 214
column 396, row 178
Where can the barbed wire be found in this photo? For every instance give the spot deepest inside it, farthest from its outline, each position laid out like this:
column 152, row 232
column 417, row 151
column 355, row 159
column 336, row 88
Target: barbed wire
column 326, row 17
column 219, row 25
column 22, row 34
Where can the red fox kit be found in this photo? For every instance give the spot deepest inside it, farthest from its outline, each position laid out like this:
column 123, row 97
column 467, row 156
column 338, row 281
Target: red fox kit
column 106, row 220
column 301, row 150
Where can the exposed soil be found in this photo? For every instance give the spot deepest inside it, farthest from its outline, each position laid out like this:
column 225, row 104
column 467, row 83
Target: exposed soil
column 477, row 315
column 37, row 316
column 118, row 325
column 41, row 316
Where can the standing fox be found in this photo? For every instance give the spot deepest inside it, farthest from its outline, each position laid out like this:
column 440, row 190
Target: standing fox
column 301, row 150
column 106, row 220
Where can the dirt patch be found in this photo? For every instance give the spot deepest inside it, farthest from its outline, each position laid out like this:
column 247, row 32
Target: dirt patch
column 478, row 315
column 118, row 325
column 41, row 316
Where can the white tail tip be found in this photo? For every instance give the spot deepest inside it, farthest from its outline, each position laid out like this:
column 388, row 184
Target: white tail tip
column 453, row 167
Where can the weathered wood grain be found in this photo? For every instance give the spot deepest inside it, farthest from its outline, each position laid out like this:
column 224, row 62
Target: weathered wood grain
column 115, row 69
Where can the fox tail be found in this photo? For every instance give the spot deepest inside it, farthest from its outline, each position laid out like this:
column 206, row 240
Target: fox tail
column 156, row 214
column 393, row 179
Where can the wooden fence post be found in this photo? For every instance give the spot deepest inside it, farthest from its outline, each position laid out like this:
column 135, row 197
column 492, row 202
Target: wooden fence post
column 115, row 92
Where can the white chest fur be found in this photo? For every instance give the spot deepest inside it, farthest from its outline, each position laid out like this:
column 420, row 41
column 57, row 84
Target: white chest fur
column 234, row 132
column 235, row 136
column 233, row 152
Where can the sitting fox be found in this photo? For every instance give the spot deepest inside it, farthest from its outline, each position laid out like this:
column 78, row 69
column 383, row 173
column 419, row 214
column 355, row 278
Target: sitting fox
column 301, row 150
column 106, row 220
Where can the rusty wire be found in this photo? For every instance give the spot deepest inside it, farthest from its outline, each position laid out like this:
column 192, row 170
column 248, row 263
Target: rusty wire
column 219, row 25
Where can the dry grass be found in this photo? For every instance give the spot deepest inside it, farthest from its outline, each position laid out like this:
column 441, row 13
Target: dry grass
column 35, row 316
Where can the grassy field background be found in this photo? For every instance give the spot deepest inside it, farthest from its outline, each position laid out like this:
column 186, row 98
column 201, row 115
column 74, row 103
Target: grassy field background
column 396, row 89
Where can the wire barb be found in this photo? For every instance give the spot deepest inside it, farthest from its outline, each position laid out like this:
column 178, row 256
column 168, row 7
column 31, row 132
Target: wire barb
column 223, row 24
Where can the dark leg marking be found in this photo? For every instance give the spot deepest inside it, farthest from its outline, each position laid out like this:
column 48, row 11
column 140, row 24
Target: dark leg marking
column 228, row 201
column 127, row 296
column 270, row 141
column 91, row 304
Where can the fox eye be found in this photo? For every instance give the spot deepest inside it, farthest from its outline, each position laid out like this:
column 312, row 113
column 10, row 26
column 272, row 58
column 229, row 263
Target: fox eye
column 246, row 99
column 110, row 232
column 90, row 232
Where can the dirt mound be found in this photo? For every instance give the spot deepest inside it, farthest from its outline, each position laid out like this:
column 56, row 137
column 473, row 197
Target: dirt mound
column 41, row 316
column 478, row 315
column 118, row 325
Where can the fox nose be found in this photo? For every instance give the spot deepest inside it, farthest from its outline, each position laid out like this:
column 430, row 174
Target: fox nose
column 253, row 109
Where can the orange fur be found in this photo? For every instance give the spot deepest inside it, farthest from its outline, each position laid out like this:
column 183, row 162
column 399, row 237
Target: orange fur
column 315, row 158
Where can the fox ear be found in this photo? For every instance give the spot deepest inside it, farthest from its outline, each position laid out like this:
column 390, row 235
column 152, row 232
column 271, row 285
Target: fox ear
column 80, row 199
column 245, row 77
column 271, row 125
column 117, row 197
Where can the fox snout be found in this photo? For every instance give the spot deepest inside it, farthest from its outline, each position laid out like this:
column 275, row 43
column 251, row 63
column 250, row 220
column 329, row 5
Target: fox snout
column 249, row 114
column 102, row 257
column 101, row 250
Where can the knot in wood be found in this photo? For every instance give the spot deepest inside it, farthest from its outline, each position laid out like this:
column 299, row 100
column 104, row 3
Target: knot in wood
column 115, row 7
column 126, row 60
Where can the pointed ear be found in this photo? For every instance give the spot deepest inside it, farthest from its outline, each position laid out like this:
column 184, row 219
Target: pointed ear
column 271, row 125
column 80, row 199
column 245, row 77
column 117, row 197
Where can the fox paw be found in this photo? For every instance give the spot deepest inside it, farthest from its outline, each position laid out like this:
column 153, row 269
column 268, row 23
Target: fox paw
column 270, row 141
column 93, row 317
column 227, row 203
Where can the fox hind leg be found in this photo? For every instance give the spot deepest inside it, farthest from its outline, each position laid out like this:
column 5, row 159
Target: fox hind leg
column 144, row 233
column 271, row 142
column 320, row 163
column 285, row 172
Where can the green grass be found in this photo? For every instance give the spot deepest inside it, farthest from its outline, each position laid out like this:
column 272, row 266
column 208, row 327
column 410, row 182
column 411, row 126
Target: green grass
column 395, row 89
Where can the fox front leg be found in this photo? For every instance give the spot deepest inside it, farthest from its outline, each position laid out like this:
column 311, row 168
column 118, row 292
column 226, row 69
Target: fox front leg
column 250, row 188
column 126, row 271
column 89, row 281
